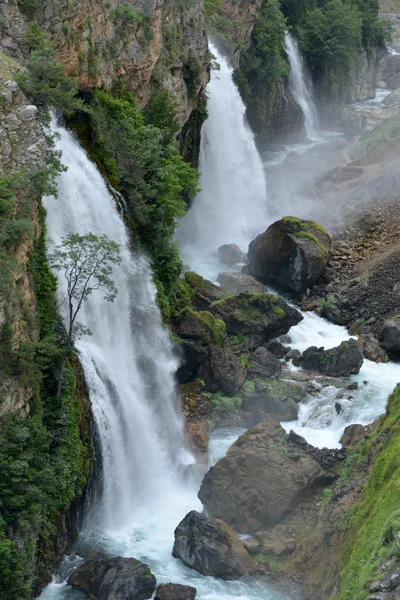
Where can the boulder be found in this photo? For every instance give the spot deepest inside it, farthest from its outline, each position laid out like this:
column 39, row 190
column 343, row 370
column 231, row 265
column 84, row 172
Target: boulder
column 258, row 483
column 175, row 591
column 262, row 314
column 372, row 349
column 193, row 355
column 259, row 407
column 393, row 99
column 197, row 435
column 210, row 547
column 237, row 283
column 264, row 364
column 341, row 361
column 292, row 252
column 352, row 435
column 222, row 370
column 389, row 337
column 276, row 348
column 193, row 327
column 204, row 292
column 231, row 254
column 104, row 578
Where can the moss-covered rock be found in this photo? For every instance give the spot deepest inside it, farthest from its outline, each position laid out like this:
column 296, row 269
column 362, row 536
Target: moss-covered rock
column 292, row 253
column 205, row 292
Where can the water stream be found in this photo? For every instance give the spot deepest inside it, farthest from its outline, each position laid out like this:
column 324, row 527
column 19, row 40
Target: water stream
column 300, row 84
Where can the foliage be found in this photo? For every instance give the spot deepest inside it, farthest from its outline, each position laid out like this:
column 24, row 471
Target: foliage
column 161, row 113
column 192, row 73
column 374, row 521
column 152, row 177
column 86, row 262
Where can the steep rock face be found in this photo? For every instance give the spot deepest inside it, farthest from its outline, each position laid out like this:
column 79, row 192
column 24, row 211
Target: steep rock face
column 243, row 13
column 22, row 146
column 104, row 42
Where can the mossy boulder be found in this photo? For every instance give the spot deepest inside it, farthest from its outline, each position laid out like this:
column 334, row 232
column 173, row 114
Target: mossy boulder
column 260, row 315
column 205, row 292
column 292, row 253
column 201, row 326
column 222, row 370
column 342, row 361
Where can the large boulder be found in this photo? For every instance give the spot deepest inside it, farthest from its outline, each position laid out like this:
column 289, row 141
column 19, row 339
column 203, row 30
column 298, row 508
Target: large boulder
column 292, row 252
column 231, row 254
column 210, row 547
column 352, row 435
column 342, row 361
column 104, row 578
column 237, row 283
column 264, row 364
column 222, row 370
column 263, row 478
column 258, row 407
column 258, row 314
column 372, row 349
column 204, row 292
column 175, row 591
column 389, row 337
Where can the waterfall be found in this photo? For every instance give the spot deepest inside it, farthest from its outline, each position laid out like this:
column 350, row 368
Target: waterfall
column 129, row 367
column 128, row 361
column 300, row 84
column 232, row 206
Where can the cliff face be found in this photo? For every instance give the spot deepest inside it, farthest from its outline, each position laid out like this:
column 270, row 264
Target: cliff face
column 22, row 146
column 242, row 14
column 146, row 44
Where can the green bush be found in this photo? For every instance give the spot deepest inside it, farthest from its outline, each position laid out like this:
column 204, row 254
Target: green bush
column 192, row 73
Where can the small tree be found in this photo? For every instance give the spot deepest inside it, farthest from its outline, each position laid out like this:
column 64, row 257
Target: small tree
column 86, row 261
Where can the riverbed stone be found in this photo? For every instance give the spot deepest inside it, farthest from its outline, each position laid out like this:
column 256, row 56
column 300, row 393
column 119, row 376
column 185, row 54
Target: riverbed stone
column 342, row 361
column 175, row 591
column 231, row 254
column 264, row 364
column 222, row 370
column 237, row 283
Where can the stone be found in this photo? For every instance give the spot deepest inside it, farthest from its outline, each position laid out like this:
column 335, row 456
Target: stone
column 353, row 386
column 237, row 283
column 352, row 435
column 257, row 484
column 292, row 253
column 372, row 349
column 197, row 435
column 231, row 254
column 259, row 407
column 175, row 591
column 210, row 547
column 222, row 371
column 293, row 354
column 27, row 113
column 276, row 348
column 264, row 364
column 104, row 578
column 265, row 315
column 193, row 354
column 389, row 337
column 204, row 292
column 342, row 361
column 338, row 408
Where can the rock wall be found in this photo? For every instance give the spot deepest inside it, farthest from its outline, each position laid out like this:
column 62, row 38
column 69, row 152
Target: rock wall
column 146, row 44
column 22, row 146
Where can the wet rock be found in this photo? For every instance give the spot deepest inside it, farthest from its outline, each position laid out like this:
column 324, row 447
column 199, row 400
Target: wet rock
column 193, row 355
column 197, row 435
column 342, row 361
column 104, row 578
column 257, row 483
column 352, row 435
column 210, row 547
column 259, row 407
column 222, row 370
column 372, row 349
column 237, row 283
column 293, row 354
column 276, row 348
column 389, row 337
column 353, row 386
column 264, row 364
column 264, row 315
column 338, row 408
column 292, row 252
column 205, row 292
column 193, row 327
column 333, row 314
column 175, row 591
column 231, row 254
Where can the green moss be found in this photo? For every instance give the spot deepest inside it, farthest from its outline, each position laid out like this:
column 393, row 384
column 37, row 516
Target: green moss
column 374, row 519
column 278, row 311
column 219, row 337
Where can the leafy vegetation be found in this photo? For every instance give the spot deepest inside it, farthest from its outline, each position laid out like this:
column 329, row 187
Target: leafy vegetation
column 374, row 521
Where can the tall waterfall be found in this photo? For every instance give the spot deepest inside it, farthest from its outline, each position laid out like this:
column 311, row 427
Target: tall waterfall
column 232, row 206
column 301, row 86
column 128, row 361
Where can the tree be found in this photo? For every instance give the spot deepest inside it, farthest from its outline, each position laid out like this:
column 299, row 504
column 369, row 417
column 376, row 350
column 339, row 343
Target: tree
column 86, row 262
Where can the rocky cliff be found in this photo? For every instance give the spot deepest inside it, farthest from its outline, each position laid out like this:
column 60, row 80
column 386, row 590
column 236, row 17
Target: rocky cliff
column 145, row 44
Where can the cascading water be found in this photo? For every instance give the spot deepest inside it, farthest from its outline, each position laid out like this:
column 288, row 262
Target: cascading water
column 232, row 206
column 300, row 86
column 129, row 367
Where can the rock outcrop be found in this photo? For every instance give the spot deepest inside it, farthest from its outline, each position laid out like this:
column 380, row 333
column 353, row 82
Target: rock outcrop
column 237, row 283
column 263, row 477
column 210, row 547
column 264, row 364
column 104, row 578
column 342, row 361
column 292, row 253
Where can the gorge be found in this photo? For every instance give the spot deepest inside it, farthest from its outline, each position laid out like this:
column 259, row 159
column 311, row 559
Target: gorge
column 270, row 379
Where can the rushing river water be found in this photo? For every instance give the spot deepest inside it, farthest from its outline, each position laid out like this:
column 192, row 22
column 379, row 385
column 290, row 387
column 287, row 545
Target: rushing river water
column 129, row 364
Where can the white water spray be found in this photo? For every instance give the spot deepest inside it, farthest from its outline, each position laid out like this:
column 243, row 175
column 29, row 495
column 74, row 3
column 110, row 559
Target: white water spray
column 232, row 206
column 300, row 85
